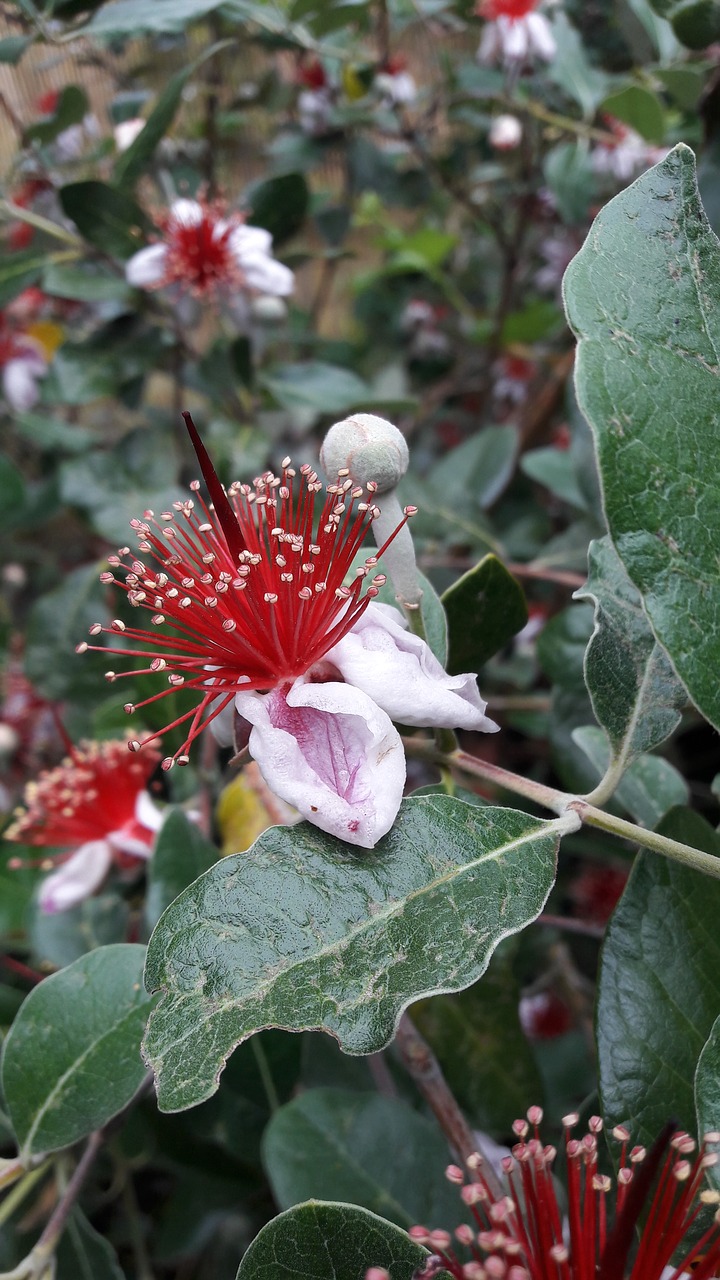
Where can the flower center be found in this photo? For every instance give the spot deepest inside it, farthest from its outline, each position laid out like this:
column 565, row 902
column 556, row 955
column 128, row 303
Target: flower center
column 247, row 594
column 199, row 252
column 512, row 9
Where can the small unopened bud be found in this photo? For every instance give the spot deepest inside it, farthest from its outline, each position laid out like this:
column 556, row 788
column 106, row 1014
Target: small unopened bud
column 9, row 739
column 369, row 447
column 505, row 133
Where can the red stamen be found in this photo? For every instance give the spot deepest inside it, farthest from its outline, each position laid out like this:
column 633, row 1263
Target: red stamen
column 250, row 597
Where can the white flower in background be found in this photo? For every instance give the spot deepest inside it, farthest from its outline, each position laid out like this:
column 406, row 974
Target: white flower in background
column 394, row 82
column 127, row 131
column 315, row 100
column 96, row 806
column 628, row 155
column 22, row 365
column 505, row 133
column 206, row 253
column 515, row 32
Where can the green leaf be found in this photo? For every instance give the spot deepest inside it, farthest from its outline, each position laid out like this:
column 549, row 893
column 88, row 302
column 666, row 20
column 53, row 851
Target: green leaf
column 18, row 271
column 650, row 786
column 58, row 621
column 306, row 933
column 132, row 17
column 571, row 70
column 71, row 109
column 555, row 469
column 77, row 282
column 279, row 204
column 639, row 108
column 313, row 384
column 83, row 1254
column 643, row 295
column 138, row 155
column 636, row 696
column 481, row 1048
column 12, row 48
column 707, row 1087
column 485, row 608
column 320, row 1241
column 64, row 936
column 568, row 174
column 695, row 22
column 72, row 1060
column 106, row 217
column 12, row 493
column 371, row 1151
column 16, row 889
column 659, row 989
column 480, row 468
column 181, row 854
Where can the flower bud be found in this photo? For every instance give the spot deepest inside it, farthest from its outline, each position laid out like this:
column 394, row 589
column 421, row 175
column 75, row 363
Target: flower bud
column 505, row 133
column 370, row 447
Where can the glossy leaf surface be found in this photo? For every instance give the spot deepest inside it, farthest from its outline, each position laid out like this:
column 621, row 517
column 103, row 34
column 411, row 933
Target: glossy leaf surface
column 305, row 933
column 485, row 608
column 643, row 295
column 635, row 693
column 72, row 1060
column 326, row 1241
column 659, row 986
column 369, row 1150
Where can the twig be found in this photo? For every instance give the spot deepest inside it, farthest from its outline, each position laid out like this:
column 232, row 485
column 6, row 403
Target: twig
column 586, row 928
column 424, row 1068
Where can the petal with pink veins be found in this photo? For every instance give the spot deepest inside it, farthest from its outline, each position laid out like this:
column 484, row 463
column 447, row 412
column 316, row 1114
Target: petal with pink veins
column 329, row 751
column 401, row 674
column 77, row 878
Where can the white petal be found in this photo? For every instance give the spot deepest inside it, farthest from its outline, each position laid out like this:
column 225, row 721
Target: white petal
column 147, row 812
column 490, row 49
column 147, row 267
column 515, row 38
column 77, row 878
column 247, row 239
column 329, row 751
column 541, row 40
column 20, row 379
column 402, row 675
column 189, row 212
column 137, row 836
column 266, row 275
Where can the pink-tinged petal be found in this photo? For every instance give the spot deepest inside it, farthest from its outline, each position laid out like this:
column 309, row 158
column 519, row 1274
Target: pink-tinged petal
column 146, row 268
column 20, row 380
column 402, row 675
column 540, row 36
column 329, row 751
column 77, row 878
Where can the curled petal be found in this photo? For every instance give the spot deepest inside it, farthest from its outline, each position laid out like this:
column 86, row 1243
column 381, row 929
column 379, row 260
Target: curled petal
column 77, row 878
column 146, row 268
column 329, row 751
column 402, row 675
